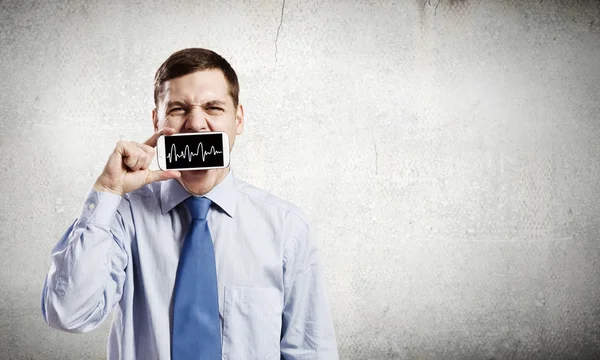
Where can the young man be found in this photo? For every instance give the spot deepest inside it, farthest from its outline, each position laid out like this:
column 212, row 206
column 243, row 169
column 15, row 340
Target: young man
column 197, row 264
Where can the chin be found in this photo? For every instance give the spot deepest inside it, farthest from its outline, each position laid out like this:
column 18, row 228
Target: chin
column 199, row 182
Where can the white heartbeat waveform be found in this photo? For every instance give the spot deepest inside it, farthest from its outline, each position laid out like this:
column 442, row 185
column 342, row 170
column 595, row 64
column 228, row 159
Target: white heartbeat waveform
column 190, row 154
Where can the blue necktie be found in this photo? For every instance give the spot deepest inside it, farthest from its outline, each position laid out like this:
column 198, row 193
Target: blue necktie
column 196, row 326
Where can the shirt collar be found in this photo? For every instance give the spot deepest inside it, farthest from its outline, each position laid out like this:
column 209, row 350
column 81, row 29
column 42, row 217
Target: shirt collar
column 172, row 193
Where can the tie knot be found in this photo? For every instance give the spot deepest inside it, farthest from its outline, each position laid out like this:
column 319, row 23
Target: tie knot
column 198, row 207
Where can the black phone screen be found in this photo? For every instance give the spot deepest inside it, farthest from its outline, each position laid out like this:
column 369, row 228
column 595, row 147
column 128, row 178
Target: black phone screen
column 194, row 151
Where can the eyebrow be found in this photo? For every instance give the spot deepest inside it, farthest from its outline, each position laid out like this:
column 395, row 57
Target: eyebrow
column 170, row 104
column 214, row 102
column 208, row 103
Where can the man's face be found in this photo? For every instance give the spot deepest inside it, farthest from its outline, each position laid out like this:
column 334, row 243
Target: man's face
column 199, row 102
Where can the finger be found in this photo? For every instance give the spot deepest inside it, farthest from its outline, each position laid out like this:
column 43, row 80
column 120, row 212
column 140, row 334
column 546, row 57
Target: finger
column 160, row 175
column 135, row 162
column 126, row 148
column 148, row 160
column 150, row 152
column 147, row 148
column 115, row 162
column 133, row 156
column 154, row 138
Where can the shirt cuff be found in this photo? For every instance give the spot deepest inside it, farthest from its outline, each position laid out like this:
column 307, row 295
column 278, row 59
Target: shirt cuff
column 100, row 207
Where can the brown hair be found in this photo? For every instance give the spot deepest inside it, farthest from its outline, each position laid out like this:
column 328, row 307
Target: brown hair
column 190, row 60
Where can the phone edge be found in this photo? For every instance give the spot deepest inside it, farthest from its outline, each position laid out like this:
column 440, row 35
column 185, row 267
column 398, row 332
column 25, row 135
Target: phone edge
column 225, row 138
column 160, row 150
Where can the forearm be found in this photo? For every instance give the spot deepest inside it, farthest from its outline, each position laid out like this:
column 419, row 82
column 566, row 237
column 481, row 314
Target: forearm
column 87, row 274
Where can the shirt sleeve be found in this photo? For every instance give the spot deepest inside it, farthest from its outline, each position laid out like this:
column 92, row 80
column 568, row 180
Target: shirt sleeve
column 87, row 271
column 307, row 327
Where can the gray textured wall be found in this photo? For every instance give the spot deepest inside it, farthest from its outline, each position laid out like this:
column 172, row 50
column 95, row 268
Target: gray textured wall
column 447, row 152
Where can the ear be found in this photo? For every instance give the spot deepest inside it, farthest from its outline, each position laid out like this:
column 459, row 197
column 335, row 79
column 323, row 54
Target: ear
column 155, row 120
column 239, row 119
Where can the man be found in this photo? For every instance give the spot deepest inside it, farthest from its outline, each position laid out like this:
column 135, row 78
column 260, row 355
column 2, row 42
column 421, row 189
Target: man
column 260, row 293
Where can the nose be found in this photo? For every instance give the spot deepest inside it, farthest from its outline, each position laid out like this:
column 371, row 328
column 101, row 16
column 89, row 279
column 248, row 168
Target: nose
column 196, row 120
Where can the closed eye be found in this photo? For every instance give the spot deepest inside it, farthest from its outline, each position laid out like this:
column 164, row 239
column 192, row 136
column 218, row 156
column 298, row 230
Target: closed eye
column 177, row 109
column 215, row 110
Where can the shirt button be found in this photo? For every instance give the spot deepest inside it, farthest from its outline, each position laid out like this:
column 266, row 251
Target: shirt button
column 91, row 206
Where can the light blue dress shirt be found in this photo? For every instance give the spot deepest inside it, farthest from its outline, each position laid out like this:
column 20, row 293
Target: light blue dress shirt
column 122, row 253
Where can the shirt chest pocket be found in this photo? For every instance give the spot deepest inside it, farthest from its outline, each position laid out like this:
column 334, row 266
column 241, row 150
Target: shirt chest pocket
column 251, row 323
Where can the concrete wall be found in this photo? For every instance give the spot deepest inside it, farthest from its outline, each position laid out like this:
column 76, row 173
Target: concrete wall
column 448, row 153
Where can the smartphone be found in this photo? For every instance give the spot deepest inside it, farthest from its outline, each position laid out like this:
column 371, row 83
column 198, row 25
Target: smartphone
column 193, row 151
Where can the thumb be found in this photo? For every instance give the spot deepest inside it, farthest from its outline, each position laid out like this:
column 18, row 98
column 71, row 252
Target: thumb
column 160, row 175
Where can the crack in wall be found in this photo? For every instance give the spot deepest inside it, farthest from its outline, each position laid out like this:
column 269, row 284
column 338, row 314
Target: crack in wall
column 279, row 28
column 376, row 154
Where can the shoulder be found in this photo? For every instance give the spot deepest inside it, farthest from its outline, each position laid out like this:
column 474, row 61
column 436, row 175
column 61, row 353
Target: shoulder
column 270, row 204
